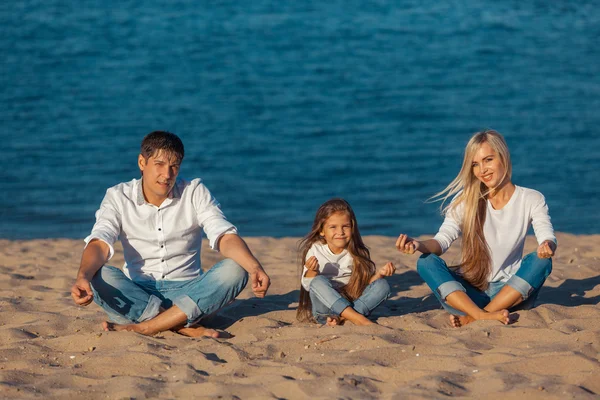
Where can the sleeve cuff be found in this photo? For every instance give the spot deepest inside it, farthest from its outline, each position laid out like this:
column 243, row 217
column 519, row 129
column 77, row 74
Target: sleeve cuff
column 214, row 241
column 111, row 249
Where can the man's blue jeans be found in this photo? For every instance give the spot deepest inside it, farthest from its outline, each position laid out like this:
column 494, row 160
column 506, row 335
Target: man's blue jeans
column 126, row 301
column 527, row 281
column 327, row 302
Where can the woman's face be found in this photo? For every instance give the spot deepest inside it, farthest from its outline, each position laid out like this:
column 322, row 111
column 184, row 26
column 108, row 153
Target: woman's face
column 487, row 166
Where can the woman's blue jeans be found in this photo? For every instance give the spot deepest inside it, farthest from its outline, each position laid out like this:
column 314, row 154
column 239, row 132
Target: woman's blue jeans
column 126, row 301
column 527, row 281
column 327, row 301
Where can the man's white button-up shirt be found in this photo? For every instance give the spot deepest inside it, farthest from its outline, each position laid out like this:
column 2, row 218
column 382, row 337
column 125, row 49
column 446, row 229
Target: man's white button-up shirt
column 160, row 242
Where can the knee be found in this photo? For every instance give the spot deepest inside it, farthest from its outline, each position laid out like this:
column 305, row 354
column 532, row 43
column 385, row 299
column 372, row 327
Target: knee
column 428, row 262
column 107, row 275
column 382, row 286
column 540, row 265
column 233, row 272
column 318, row 281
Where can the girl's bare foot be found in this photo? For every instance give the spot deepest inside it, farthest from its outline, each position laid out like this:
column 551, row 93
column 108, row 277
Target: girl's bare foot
column 333, row 321
column 502, row 316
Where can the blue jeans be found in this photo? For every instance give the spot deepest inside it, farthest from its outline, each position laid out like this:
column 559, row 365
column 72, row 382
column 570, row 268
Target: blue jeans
column 126, row 301
column 326, row 301
column 527, row 281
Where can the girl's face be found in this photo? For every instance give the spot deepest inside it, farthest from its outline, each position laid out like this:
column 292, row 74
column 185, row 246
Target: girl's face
column 337, row 231
column 487, row 166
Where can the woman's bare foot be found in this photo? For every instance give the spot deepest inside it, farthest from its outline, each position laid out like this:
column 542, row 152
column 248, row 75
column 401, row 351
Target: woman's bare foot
column 502, row 316
column 459, row 320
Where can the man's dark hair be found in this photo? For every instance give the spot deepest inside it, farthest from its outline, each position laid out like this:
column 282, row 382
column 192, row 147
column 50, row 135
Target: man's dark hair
column 161, row 140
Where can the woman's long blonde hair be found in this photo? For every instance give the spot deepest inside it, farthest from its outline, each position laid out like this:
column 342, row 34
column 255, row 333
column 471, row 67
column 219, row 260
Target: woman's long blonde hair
column 363, row 268
column 471, row 194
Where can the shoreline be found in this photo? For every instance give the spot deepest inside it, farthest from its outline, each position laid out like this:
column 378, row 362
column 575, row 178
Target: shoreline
column 50, row 347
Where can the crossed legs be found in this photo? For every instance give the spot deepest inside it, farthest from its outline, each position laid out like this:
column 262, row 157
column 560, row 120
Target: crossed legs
column 467, row 304
column 137, row 307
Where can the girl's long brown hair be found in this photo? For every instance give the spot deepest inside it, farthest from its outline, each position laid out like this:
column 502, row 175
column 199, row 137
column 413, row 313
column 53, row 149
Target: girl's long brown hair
column 363, row 268
column 471, row 197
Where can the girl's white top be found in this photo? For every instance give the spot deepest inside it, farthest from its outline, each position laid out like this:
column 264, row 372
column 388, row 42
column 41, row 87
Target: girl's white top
column 336, row 267
column 505, row 230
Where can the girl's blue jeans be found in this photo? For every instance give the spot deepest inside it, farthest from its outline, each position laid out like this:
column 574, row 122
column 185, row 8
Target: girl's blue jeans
column 327, row 301
column 126, row 301
column 527, row 281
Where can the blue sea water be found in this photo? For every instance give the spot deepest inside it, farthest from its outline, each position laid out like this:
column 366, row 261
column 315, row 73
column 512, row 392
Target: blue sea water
column 282, row 105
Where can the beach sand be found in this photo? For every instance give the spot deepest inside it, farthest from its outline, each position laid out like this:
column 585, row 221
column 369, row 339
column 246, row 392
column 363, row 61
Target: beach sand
column 51, row 348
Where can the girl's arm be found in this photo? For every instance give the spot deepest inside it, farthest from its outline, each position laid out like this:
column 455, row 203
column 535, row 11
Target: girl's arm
column 312, row 267
column 387, row 270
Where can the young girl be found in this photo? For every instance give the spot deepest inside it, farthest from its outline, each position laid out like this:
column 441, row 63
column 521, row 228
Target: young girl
column 339, row 281
column 493, row 216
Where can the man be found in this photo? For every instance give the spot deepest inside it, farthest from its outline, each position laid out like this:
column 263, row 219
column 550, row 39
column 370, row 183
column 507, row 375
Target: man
column 159, row 219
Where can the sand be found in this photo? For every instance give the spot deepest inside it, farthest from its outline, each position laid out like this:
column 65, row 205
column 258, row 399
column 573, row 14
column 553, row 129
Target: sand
column 51, row 348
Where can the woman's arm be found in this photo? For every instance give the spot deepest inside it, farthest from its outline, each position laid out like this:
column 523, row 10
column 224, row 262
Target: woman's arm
column 407, row 245
column 542, row 227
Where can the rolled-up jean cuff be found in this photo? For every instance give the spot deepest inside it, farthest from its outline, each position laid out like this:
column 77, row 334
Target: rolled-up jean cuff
column 520, row 285
column 152, row 309
column 190, row 308
column 339, row 306
column 449, row 287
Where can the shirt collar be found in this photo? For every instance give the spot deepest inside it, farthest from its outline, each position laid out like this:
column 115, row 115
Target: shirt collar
column 175, row 193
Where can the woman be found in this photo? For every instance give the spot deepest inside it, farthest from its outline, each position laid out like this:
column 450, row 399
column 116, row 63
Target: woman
column 493, row 216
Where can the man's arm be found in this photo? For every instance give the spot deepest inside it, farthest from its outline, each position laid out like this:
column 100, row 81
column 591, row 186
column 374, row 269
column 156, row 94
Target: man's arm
column 232, row 246
column 94, row 257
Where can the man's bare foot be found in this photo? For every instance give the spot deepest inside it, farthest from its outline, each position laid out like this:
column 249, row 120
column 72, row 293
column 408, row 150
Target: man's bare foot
column 502, row 316
column 141, row 328
column 111, row 326
column 199, row 331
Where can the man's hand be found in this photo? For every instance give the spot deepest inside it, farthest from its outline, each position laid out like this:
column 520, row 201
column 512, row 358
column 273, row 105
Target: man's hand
column 81, row 292
column 546, row 249
column 260, row 283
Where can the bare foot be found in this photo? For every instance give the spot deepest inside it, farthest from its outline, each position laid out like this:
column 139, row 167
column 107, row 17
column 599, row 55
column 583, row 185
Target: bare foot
column 361, row 321
column 111, row 326
column 502, row 316
column 459, row 320
column 333, row 321
column 199, row 331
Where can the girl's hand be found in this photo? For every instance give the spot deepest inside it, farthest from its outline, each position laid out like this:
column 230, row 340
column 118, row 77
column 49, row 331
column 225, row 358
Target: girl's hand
column 387, row 270
column 407, row 245
column 546, row 249
column 312, row 264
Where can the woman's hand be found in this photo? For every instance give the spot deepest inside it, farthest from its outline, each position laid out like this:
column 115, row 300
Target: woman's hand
column 312, row 265
column 407, row 245
column 546, row 249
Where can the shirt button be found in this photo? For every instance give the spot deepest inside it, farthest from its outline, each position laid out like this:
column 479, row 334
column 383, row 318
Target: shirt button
column 159, row 229
column 161, row 246
column 162, row 260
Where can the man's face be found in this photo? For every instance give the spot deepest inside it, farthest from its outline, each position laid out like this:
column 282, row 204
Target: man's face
column 159, row 173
